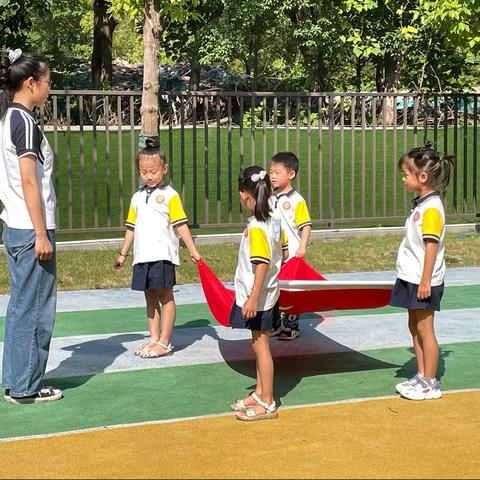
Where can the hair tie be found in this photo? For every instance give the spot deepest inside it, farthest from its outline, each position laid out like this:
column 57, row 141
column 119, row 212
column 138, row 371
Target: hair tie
column 14, row 55
column 258, row 176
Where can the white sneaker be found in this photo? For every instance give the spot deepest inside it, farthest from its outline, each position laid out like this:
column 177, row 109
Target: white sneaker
column 423, row 390
column 408, row 383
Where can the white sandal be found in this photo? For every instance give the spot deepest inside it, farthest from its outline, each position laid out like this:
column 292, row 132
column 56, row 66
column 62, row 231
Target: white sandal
column 249, row 414
column 149, row 353
column 239, row 404
column 142, row 347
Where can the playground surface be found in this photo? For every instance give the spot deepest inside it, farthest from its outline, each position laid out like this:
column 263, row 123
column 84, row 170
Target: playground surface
column 339, row 417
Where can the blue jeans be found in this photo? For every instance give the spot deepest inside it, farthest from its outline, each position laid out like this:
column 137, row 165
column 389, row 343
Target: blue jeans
column 30, row 313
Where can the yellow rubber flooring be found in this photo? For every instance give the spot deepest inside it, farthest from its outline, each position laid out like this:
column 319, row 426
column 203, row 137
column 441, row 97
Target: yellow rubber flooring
column 386, row 438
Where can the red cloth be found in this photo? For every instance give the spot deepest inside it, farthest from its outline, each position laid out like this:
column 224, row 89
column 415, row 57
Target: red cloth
column 220, row 299
column 299, row 269
column 303, row 301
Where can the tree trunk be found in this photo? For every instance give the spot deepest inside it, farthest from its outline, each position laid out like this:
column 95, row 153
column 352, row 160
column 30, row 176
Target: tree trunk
column 103, row 27
column 379, row 74
column 358, row 74
column 251, row 64
column 392, row 72
column 255, row 69
column 151, row 46
column 392, row 65
column 194, row 74
column 248, row 66
column 317, row 80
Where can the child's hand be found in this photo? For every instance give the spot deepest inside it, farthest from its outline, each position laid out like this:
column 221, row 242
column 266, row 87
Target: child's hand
column 249, row 309
column 300, row 253
column 196, row 257
column 424, row 291
column 118, row 263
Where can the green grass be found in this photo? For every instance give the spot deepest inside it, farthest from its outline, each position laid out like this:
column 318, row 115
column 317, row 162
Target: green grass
column 93, row 269
column 108, row 181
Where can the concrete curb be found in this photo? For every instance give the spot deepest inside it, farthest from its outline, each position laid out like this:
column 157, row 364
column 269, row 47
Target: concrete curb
column 219, row 238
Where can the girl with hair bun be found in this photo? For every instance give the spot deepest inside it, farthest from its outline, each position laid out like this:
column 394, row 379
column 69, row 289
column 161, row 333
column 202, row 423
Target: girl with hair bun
column 156, row 219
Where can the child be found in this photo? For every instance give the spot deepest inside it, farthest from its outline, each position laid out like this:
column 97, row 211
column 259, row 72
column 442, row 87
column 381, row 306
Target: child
column 421, row 264
column 155, row 218
column 257, row 289
column 296, row 222
column 28, row 197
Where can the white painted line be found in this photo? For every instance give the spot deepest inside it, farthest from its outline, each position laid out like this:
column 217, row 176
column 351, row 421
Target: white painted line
column 206, row 417
column 335, row 284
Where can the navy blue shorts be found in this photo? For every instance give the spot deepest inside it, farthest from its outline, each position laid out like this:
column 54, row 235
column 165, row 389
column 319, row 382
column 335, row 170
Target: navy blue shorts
column 262, row 321
column 404, row 294
column 159, row 274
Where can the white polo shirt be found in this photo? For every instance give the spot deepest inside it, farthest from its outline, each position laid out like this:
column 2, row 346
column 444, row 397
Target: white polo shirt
column 294, row 213
column 21, row 136
column 153, row 213
column 426, row 221
column 261, row 243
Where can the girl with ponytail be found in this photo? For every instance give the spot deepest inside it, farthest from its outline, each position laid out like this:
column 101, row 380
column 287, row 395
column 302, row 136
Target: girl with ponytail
column 421, row 264
column 257, row 289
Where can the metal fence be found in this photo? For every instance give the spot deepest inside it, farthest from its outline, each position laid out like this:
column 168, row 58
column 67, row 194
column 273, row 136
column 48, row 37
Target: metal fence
column 348, row 145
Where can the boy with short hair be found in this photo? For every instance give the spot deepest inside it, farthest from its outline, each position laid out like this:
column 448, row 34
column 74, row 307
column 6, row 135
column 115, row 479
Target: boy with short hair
column 296, row 222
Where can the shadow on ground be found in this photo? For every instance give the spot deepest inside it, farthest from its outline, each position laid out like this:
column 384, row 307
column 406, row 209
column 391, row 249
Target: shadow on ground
column 409, row 368
column 311, row 354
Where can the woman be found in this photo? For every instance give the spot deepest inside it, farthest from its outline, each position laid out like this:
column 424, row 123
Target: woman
column 26, row 191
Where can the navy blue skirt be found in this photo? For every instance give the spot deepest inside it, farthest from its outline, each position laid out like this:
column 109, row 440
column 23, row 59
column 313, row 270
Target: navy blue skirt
column 263, row 321
column 153, row 275
column 404, row 294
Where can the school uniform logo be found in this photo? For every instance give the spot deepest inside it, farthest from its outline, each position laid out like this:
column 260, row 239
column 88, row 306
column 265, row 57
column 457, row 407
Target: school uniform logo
column 160, row 199
column 287, row 206
column 416, row 216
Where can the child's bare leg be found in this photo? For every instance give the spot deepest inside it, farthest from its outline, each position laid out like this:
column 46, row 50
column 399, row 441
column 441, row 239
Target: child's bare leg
column 258, row 386
column 165, row 298
column 153, row 314
column 248, row 401
column 412, row 325
column 264, row 389
column 428, row 341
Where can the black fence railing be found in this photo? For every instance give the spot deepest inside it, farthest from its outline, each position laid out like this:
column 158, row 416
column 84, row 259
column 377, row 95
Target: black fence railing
column 348, row 145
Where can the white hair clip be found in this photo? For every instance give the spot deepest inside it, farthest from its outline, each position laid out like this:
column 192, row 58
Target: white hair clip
column 14, row 55
column 258, row 176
